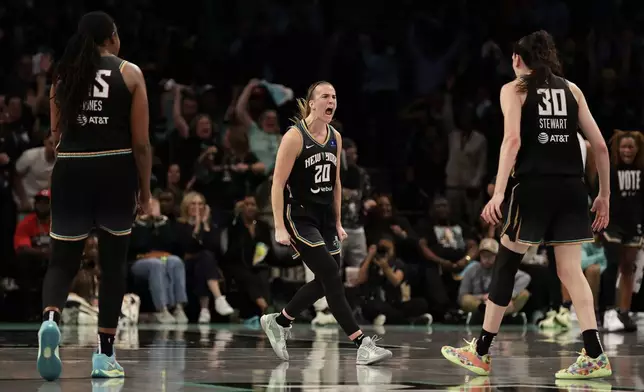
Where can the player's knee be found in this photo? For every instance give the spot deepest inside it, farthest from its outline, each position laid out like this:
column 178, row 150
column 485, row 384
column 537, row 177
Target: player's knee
column 504, row 271
column 567, row 271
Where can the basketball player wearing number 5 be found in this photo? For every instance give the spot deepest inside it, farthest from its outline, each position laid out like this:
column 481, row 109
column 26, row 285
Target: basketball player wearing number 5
column 548, row 201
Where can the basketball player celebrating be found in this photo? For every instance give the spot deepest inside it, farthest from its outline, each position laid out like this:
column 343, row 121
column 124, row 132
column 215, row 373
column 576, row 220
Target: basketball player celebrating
column 99, row 111
column 549, row 200
column 623, row 237
column 306, row 197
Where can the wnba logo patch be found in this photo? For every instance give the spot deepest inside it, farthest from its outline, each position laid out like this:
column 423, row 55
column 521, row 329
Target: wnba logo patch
column 543, row 138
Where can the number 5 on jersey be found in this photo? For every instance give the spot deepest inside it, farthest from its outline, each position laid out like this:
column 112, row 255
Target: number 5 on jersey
column 322, row 173
column 553, row 102
column 101, row 89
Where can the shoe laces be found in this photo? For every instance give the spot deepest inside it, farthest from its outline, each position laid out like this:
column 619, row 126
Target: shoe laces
column 372, row 347
column 285, row 333
column 471, row 344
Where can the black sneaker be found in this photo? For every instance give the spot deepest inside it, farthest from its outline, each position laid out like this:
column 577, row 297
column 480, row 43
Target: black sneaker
column 629, row 324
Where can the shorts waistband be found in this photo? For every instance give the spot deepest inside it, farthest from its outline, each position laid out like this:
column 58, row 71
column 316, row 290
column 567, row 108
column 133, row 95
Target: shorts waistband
column 94, row 154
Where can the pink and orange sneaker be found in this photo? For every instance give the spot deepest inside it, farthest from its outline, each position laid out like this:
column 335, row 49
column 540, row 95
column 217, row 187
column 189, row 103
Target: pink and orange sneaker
column 468, row 358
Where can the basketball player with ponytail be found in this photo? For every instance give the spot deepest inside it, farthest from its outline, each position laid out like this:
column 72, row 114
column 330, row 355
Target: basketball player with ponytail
column 99, row 113
column 306, row 197
column 548, row 200
column 623, row 237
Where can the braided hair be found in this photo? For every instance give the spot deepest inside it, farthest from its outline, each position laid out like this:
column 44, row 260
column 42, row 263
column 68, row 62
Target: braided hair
column 76, row 70
column 539, row 53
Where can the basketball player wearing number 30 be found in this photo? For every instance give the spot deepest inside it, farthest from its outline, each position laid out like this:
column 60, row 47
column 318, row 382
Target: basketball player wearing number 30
column 548, row 203
column 306, row 197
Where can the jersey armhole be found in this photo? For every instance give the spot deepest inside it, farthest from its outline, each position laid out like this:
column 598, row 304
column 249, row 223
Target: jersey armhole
column 296, row 126
column 122, row 66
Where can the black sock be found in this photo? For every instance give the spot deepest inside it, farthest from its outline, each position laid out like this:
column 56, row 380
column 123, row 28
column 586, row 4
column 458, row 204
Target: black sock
column 591, row 343
column 484, row 342
column 51, row 315
column 358, row 341
column 105, row 344
column 567, row 304
column 283, row 321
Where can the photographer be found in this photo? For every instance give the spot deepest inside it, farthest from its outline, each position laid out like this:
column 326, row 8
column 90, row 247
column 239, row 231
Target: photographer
column 387, row 296
column 151, row 246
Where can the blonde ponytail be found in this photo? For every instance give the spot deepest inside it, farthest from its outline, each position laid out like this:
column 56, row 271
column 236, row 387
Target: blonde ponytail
column 303, row 107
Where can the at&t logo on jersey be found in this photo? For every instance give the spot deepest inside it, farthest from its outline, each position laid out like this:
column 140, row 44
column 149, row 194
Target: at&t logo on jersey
column 545, row 138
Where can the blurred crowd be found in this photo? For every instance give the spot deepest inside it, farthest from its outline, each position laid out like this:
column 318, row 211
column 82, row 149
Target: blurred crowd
column 418, row 110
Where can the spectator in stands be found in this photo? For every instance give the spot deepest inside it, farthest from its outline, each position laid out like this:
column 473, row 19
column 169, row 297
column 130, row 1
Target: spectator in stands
column 168, row 205
column 475, row 283
column 387, row 295
column 264, row 135
column 33, row 170
column 152, row 249
column 356, row 202
column 243, row 172
column 7, row 204
column 17, row 124
column 184, row 109
column 384, row 221
column 199, row 242
column 31, row 243
column 248, row 251
column 173, row 181
column 466, row 168
column 448, row 247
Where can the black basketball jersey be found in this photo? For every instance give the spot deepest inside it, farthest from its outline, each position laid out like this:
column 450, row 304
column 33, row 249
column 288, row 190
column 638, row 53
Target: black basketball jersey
column 103, row 123
column 626, row 196
column 312, row 179
column 549, row 143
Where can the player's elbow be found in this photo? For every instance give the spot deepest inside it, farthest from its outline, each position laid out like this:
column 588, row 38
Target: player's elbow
column 600, row 150
column 512, row 141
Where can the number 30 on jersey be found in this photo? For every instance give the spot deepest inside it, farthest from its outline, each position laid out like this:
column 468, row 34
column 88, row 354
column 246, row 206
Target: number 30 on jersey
column 553, row 102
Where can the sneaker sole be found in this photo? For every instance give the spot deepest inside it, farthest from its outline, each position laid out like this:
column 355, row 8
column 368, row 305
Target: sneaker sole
column 596, row 374
column 474, row 369
column 115, row 373
column 376, row 360
column 271, row 338
column 49, row 364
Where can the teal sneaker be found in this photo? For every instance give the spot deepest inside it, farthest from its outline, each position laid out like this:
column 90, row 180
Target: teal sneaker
column 106, row 367
column 49, row 364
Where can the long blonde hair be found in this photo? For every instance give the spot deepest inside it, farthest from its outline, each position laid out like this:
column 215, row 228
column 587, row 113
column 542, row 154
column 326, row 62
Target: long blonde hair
column 616, row 140
column 303, row 103
column 185, row 205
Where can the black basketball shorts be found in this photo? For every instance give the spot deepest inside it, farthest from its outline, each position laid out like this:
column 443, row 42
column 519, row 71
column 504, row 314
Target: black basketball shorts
column 618, row 234
column 549, row 210
column 92, row 190
column 311, row 226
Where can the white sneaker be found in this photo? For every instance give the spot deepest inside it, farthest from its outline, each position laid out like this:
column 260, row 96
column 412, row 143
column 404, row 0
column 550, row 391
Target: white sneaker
column 322, row 318
column 204, row 316
column 369, row 353
column 612, row 323
column 380, row 320
column 563, row 317
column 549, row 322
column 223, row 307
column 277, row 335
column 164, row 317
column 180, row 316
